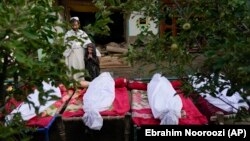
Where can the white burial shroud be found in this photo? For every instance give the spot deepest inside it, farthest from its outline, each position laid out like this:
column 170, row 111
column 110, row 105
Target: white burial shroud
column 27, row 110
column 98, row 97
column 166, row 105
column 221, row 100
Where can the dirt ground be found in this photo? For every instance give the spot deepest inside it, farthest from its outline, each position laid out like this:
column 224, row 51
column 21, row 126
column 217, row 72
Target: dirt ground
column 131, row 72
column 138, row 71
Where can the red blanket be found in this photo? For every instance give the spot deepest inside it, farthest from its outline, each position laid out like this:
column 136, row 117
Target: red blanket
column 142, row 114
column 119, row 107
column 43, row 119
column 206, row 108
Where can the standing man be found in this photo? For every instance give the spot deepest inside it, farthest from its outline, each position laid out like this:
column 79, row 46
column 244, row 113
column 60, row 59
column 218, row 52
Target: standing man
column 75, row 41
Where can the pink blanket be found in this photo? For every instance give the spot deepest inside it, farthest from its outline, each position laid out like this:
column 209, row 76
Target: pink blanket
column 142, row 114
column 119, row 107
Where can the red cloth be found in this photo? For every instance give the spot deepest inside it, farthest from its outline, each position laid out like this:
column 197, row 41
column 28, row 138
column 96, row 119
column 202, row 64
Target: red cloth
column 74, row 107
column 39, row 122
column 141, row 111
column 44, row 118
column 137, row 85
column 204, row 107
column 193, row 115
column 176, row 84
column 207, row 108
column 120, row 82
column 119, row 107
column 142, row 114
column 12, row 104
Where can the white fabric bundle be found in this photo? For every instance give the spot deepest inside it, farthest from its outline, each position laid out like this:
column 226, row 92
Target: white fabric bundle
column 27, row 111
column 98, row 97
column 226, row 103
column 166, row 105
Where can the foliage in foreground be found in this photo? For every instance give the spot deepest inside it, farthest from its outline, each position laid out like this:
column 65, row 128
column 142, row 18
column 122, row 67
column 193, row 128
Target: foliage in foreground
column 218, row 29
column 30, row 52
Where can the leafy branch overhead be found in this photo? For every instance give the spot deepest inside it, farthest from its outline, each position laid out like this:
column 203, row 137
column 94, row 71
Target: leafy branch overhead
column 219, row 30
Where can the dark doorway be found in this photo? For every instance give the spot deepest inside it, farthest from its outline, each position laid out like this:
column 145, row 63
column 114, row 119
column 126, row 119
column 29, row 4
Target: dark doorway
column 116, row 28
